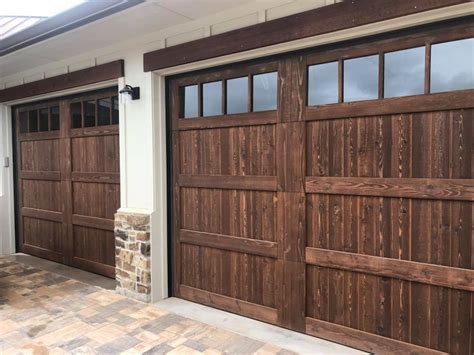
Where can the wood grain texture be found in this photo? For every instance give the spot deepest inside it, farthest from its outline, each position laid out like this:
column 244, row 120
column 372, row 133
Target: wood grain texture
column 220, row 241
column 266, row 314
column 462, row 279
column 442, row 189
column 362, row 340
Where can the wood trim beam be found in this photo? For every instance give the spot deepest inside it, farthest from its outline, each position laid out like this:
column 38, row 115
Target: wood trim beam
column 438, row 275
column 343, row 15
column 443, row 189
column 103, row 72
column 225, row 303
column 93, row 222
column 227, row 242
column 247, row 182
column 42, row 214
column 106, row 178
column 363, row 340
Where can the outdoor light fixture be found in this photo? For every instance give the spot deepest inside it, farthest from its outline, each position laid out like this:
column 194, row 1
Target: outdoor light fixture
column 129, row 93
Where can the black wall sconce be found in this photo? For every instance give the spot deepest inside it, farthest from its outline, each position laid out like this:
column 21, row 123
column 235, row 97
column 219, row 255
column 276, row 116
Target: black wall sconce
column 129, row 93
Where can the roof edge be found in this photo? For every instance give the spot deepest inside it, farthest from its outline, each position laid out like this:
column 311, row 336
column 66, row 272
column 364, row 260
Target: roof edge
column 75, row 17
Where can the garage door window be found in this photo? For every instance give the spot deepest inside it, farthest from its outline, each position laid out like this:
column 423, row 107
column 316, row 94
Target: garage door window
column 191, row 101
column 43, row 120
column 265, row 92
column 404, row 72
column 452, row 65
column 323, row 84
column 361, row 77
column 54, row 118
column 212, row 99
column 237, row 95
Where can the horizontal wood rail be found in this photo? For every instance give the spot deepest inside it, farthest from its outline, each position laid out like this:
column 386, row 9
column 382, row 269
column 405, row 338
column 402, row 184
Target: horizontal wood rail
column 227, row 242
column 40, row 175
column 38, row 136
column 113, row 178
column 93, row 266
column 42, row 214
column 93, row 222
column 411, row 104
column 42, row 252
column 229, row 304
column 315, row 22
column 103, row 72
column 248, row 182
column 438, row 275
column 445, row 189
column 238, row 120
column 95, row 131
column 363, row 340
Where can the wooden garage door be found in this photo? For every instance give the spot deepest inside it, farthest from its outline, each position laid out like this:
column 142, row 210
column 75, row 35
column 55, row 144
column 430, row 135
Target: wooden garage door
column 68, row 180
column 331, row 192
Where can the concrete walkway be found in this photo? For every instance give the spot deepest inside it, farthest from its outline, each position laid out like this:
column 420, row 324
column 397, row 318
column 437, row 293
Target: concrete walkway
column 44, row 312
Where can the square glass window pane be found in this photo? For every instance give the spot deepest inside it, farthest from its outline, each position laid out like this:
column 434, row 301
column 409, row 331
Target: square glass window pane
column 115, row 110
column 54, row 118
column 24, row 122
column 104, row 111
column 323, row 84
column 89, row 113
column 76, row 114
column 191, row 107
column 265, row 92
column 404, row 72
column 237, row 95
column 33, row 120
column 212, row 99
column 361, row 78
column 43, row 120
column 452, row 66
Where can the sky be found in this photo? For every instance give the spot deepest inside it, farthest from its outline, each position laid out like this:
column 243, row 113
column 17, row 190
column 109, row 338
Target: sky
column 36, row 7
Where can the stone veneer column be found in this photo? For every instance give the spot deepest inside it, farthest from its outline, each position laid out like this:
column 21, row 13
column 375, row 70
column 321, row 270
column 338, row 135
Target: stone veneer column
column 132, row 255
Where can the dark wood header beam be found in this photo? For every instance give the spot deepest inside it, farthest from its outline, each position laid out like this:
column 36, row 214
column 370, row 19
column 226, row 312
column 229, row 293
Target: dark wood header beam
column 103, row 72
column 326, row 19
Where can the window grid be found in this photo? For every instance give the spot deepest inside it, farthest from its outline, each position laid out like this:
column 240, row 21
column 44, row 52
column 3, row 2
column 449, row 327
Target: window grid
column 381, row 78
column 224, row 95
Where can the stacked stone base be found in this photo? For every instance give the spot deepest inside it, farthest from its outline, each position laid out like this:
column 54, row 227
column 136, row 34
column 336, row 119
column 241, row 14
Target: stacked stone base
column 132, row 255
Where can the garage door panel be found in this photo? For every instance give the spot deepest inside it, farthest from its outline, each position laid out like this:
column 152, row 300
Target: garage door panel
column 228, row 151
column 94, row 244
column 41, row 155
column 244, row 214
column 387, row 307
column 392, row 228
column 95, row 153
column 418, row 145
column 39, row 194
column 43, row 234
column 237, row 275
column 96, row 199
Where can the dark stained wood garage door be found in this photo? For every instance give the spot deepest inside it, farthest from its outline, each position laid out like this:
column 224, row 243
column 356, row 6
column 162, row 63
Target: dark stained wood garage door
column 68, row 180
column 331, row 192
